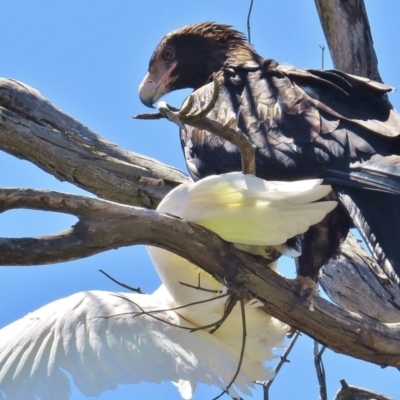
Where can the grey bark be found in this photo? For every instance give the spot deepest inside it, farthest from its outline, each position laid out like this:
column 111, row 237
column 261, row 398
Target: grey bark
column 33, row 129
column 355, row 393
column 104, row 225
column 347, row 31
column 356, row 283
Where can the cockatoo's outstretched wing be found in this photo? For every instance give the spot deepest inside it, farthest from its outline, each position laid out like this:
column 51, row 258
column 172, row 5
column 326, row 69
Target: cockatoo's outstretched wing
column 103, row 339
column 248, row 210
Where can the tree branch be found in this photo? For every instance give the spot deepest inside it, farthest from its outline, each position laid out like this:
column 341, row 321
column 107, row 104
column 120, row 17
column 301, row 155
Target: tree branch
column 347, row 31
column 104, row 225
column 283, row 359
column 355, row 393
column 360, row 285
column 33, row 129
column 320, row 370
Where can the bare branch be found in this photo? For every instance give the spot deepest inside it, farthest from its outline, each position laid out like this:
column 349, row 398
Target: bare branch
column 132, row 289
column 30, row 125
column 347, row 31
column 356, row 283
column 248, row 21
column 236, row 136
column 322, row 55
column 105, row 225
column 283, row 359
column 33, row 129
column 242, row 349
column 319, row 367
column 355, row 393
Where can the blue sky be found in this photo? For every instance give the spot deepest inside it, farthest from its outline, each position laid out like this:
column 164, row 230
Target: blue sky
column 88, row 58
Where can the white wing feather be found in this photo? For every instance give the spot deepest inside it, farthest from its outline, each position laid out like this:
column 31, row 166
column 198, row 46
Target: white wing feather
column 102, row 339
column 247, row 210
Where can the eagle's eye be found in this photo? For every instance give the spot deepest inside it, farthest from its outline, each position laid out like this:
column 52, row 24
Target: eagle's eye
column 168, row 54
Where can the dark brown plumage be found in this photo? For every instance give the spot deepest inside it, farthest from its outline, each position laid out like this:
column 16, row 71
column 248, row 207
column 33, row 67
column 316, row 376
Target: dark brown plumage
column 305, row 123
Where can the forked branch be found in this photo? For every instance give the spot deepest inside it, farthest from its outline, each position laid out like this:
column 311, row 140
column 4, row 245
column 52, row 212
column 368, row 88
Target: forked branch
column 104, row 225
column 198, row 119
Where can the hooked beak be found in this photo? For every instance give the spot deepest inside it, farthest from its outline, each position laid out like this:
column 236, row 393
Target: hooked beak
column 154, row 86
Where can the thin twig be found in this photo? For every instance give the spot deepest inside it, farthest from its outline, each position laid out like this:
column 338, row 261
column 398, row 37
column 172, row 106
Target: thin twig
column 229, row 305
column 323, row 51
column 124, row 285
column 319, row 367
column 244, row 336
column 227, row 312
column 216, row 324
column 198, row 287
column 171, row 309
column 248, row 21
column 284, row 359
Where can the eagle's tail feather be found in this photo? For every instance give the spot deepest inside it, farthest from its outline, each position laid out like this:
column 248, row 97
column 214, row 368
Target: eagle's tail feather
column 380, row 173
column 376, row 216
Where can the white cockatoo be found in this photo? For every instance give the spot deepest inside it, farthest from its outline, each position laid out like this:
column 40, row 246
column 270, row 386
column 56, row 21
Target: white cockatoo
column 103, row 339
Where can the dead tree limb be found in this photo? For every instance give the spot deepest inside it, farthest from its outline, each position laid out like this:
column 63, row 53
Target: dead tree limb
column 33, row 129
column 104, row 225
column 355, row 393
column 347, row 31
column 360, row 285
column 351, row 334
column 320, row 370
column 283, row 359
column 363, row 288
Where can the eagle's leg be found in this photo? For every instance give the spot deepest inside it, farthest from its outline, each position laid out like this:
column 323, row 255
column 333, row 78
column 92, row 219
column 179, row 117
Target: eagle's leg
column 320, row 243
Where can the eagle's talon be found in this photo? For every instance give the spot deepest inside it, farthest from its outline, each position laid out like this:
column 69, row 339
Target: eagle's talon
column 306, row 289
column 291, row 332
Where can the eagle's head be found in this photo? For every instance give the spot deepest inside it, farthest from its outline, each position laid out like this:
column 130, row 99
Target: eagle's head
column 187, row 58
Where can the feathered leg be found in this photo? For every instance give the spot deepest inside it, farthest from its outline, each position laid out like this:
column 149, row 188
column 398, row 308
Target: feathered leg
column 320, row 243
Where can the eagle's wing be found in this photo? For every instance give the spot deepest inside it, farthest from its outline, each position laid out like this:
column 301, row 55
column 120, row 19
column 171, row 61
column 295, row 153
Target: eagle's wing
column 308, row 124
column 305, row 124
